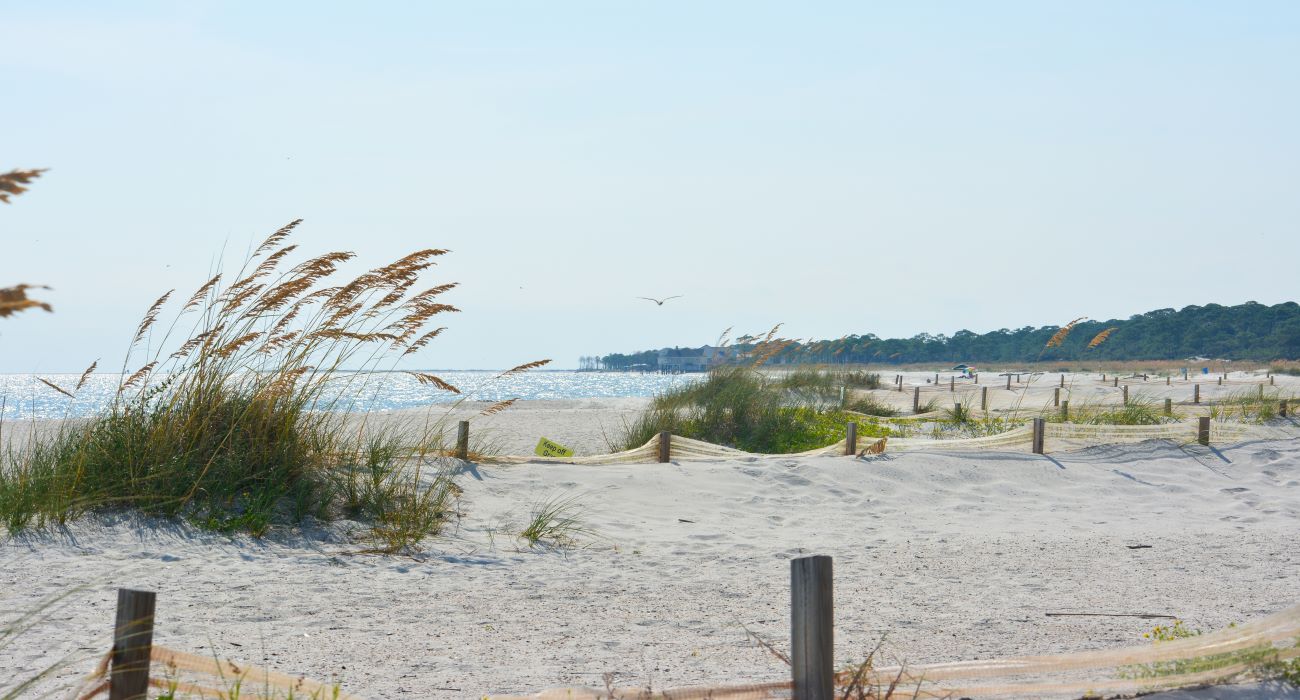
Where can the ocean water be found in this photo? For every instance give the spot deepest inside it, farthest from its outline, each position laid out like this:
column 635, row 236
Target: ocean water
column 26, row 398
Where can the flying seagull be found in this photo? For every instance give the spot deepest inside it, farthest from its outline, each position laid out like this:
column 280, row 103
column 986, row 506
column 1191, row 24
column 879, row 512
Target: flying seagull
column 661, row 301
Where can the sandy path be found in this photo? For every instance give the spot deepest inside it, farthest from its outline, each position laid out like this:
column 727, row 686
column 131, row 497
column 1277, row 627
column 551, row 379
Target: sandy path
column 953, row 555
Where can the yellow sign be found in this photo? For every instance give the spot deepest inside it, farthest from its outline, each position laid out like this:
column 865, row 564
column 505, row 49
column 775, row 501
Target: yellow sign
column 546, row 448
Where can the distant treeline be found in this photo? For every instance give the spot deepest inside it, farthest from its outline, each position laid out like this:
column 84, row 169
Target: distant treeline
column 1250, row 331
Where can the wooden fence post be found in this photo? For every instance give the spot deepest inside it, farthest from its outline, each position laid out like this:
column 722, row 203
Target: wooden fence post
column 1220, row 381
column 1196, row 393
column 1270, row 380
column 1056, row 396
column 916, row 399
column 812, row 628
column 984, row 398
column 132, row 645
column 1065, row 410
column 1169, row 407
column 462, row 440
column 952, row 384
column 1281, row 408
column 1116, row 380
column 1103, row 378
column 1125, row 394
column 851, row 439
column 1008, row 382
column 1261, row 391
column 1062, row 381
column 665, row 446
column 1040, row 427
column 976, row 377
column 1203, row 430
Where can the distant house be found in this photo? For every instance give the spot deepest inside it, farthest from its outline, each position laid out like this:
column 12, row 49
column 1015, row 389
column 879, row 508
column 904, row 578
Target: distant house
column 700, row 359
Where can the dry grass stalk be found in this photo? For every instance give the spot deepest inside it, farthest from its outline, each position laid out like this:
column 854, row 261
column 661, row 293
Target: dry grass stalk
column 137, row 376
column 201, row 293
column 150, row 317
column 278, row 237
column 426, row 378
column 14, row 299
column 422, row 340
column 1058, row 338
column 1101, row 337
column 55, row 387
column 498, row 407
column 86, row 375
column 768, row 350
column 13, row 182
column 524, row 368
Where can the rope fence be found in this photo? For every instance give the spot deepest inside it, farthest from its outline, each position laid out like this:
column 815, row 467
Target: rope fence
column 1261, row 649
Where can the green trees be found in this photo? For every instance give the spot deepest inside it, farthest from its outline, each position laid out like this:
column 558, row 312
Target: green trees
column 1249, row 331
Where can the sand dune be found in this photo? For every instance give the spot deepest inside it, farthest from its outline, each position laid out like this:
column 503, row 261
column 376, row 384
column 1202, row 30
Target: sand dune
column 951, row 555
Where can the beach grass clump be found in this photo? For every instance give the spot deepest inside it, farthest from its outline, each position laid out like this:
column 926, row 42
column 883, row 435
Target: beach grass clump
column 741, row 407
column 1249, row 406
column 234, row 416
column 871, row 406
column 1140, row 410
column 555, row 521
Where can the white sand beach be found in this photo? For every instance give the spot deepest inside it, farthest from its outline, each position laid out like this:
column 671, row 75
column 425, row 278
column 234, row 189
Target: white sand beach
column 950, row 555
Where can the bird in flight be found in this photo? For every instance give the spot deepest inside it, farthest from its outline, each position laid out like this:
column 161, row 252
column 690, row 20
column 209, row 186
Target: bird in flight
column 660, row 302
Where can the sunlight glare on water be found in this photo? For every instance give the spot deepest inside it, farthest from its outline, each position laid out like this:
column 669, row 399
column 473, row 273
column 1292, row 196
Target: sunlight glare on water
column 25, row 398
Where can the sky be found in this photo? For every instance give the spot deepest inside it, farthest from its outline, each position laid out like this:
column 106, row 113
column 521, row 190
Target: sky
column 839, row 167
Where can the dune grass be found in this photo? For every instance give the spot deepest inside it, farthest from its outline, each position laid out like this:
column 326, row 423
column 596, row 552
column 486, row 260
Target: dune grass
column 1140, row 410
column 555, row 521
column 235, row 416
column 743, row 408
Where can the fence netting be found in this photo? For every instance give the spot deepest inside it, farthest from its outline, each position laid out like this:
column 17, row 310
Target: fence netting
column 1260, row 649
column 180, row 675
column 1059, row 437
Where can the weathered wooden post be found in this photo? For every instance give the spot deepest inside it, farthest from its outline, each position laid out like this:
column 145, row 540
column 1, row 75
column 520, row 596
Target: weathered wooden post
column 952, row 384
column 665, row 447
column 132, row 645
column 1040, row 427
column 1196, row 393
column 1065, row 410
column 1008, row 382
column 1125, row 394
column 851, row 439
column 1270, row 380
column 1116, row 380
column 1169, row 407
column 1281, row 408
column 462, row 440
column 976, row 377
column 1056, row 396
column 1017, row 378
column 1167, row 380
column 916, row 399
column 1062, row 381
column 1220, row 381
column 936, row 378
column 812, row 628
column 1103, row 378
column 984, row 398
column 1261, row 391
column 1203, row 430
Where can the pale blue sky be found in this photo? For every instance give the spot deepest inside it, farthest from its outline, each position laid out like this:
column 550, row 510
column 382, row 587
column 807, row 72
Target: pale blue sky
column 841, row 167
